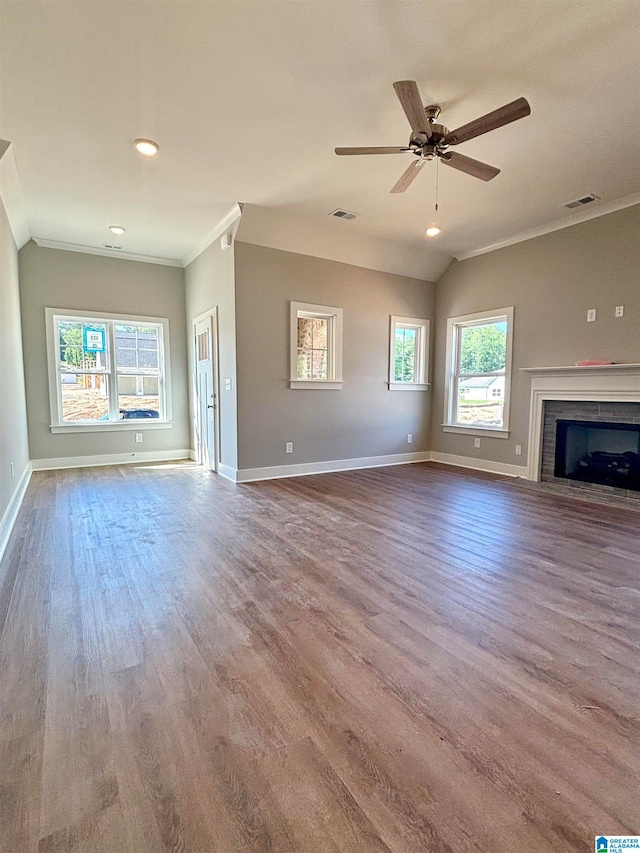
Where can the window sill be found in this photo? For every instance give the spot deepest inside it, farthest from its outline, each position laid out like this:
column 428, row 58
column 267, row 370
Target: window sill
column 314, row 385
column 495, row 432
column 137, row 424
column 408, row 386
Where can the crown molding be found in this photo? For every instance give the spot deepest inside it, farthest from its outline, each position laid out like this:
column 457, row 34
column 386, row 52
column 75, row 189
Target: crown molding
column 231, row 216
column 106, row 253
column 557, row 225
column 11, row 194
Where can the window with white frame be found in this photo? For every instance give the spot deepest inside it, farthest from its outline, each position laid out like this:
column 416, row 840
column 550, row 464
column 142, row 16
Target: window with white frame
column 107, row 371
column 316, row 346
column 478, row 369
column 409, row 354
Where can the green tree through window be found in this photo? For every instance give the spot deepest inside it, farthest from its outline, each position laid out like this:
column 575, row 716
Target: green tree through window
column 483, row 348
column 405, row 355
column 72, row 347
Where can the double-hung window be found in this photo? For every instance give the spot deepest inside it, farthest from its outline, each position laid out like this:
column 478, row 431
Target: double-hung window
column 478, row 372
column 107, row 371
column 316, row 346
column 409, row 354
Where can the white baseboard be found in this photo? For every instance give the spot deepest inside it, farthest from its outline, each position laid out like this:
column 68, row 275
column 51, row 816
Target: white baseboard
column 275, row 472
column 11, row 512
column 480, row 464
column 192, row 456
column 228, row 472
column 108, row 459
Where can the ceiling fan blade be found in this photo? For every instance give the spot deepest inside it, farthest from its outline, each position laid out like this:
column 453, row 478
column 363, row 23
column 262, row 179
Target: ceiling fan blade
column 379, row 150
column 469, row 165
column 503, row 115
column 408, row 176
column 407, row 92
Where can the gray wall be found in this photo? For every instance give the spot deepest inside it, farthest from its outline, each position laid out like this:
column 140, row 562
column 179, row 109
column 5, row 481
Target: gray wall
column 364, row 418
column 59, row 279
column 14, row 445
column 209, row 283
column 551, row 281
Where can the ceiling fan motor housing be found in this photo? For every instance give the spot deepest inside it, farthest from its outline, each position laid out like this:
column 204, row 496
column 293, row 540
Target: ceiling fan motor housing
column 428, row 148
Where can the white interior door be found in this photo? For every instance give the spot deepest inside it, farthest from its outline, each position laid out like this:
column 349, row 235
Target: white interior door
column 206, row 414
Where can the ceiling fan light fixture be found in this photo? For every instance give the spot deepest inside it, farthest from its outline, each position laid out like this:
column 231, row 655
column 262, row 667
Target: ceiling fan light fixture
column 147, row 147
column 117, row 229
column 432, row 231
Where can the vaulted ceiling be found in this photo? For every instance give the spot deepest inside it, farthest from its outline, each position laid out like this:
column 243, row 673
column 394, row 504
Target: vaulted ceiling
column 248, row 100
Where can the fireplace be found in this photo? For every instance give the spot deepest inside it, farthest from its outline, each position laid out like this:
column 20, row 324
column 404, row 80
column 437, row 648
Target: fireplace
column 601, row 395
column 598, row 452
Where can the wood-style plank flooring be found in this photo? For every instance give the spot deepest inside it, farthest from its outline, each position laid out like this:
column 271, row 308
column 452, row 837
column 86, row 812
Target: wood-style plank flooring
column 401, row 660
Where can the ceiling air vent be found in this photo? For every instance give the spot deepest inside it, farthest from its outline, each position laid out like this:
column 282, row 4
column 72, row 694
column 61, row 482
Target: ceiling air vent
column 343, row 214
column 585, row 199
column 109, row 246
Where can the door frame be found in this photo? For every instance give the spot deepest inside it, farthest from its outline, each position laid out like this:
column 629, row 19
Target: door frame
column 213, row 314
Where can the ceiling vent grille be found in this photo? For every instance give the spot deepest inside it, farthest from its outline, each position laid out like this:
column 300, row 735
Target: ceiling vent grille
column 109, row 246
column 343, row 214
column 585, row 199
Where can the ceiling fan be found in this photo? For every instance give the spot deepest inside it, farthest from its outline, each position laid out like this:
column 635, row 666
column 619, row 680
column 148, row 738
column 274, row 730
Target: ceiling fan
column 429, row 139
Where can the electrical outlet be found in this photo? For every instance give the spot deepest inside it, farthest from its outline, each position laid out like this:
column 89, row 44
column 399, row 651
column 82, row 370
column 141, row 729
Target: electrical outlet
column 518, row 450
column 619, row 310
column 476, row 442
column 227, row 385
column 13, row 473
column 138, row 437
column 288, row 448
column 591, row 315
column 409, row 438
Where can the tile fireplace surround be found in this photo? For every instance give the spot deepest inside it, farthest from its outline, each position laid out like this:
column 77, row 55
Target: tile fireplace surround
column 610, row 412
column 578, row 393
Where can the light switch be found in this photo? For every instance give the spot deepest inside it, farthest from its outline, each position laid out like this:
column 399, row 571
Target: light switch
column 591, row 315
column 227, row 385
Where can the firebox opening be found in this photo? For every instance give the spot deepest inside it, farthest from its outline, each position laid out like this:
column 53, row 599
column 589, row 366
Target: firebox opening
column 596, row 452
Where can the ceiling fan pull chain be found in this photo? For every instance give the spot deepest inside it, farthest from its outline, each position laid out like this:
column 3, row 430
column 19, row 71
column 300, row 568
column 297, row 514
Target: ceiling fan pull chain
column 437, row 176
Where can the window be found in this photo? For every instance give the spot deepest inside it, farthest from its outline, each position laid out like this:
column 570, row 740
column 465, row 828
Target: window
column 316, row 347
column 107, row 372
column 479, row 372
column 409, row 354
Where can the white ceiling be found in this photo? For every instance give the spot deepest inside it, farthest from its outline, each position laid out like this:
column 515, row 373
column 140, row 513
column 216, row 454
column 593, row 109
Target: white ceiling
column 248, row 100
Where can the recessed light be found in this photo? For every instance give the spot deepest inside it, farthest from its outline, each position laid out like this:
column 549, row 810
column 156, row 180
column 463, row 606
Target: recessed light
column 432, row 232
column 117, row 229
column 147, row 147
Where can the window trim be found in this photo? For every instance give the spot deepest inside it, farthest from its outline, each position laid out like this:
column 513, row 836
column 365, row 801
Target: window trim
column 57, row 425
column 452, row 353
column 334, row 350
column 423, row 348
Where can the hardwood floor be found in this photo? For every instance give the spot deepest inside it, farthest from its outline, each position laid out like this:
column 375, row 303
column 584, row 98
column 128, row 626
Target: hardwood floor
column 387, row 661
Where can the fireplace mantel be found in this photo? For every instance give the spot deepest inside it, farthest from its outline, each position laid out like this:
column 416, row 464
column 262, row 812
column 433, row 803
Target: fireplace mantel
column 605, row 369
column 598, row 383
